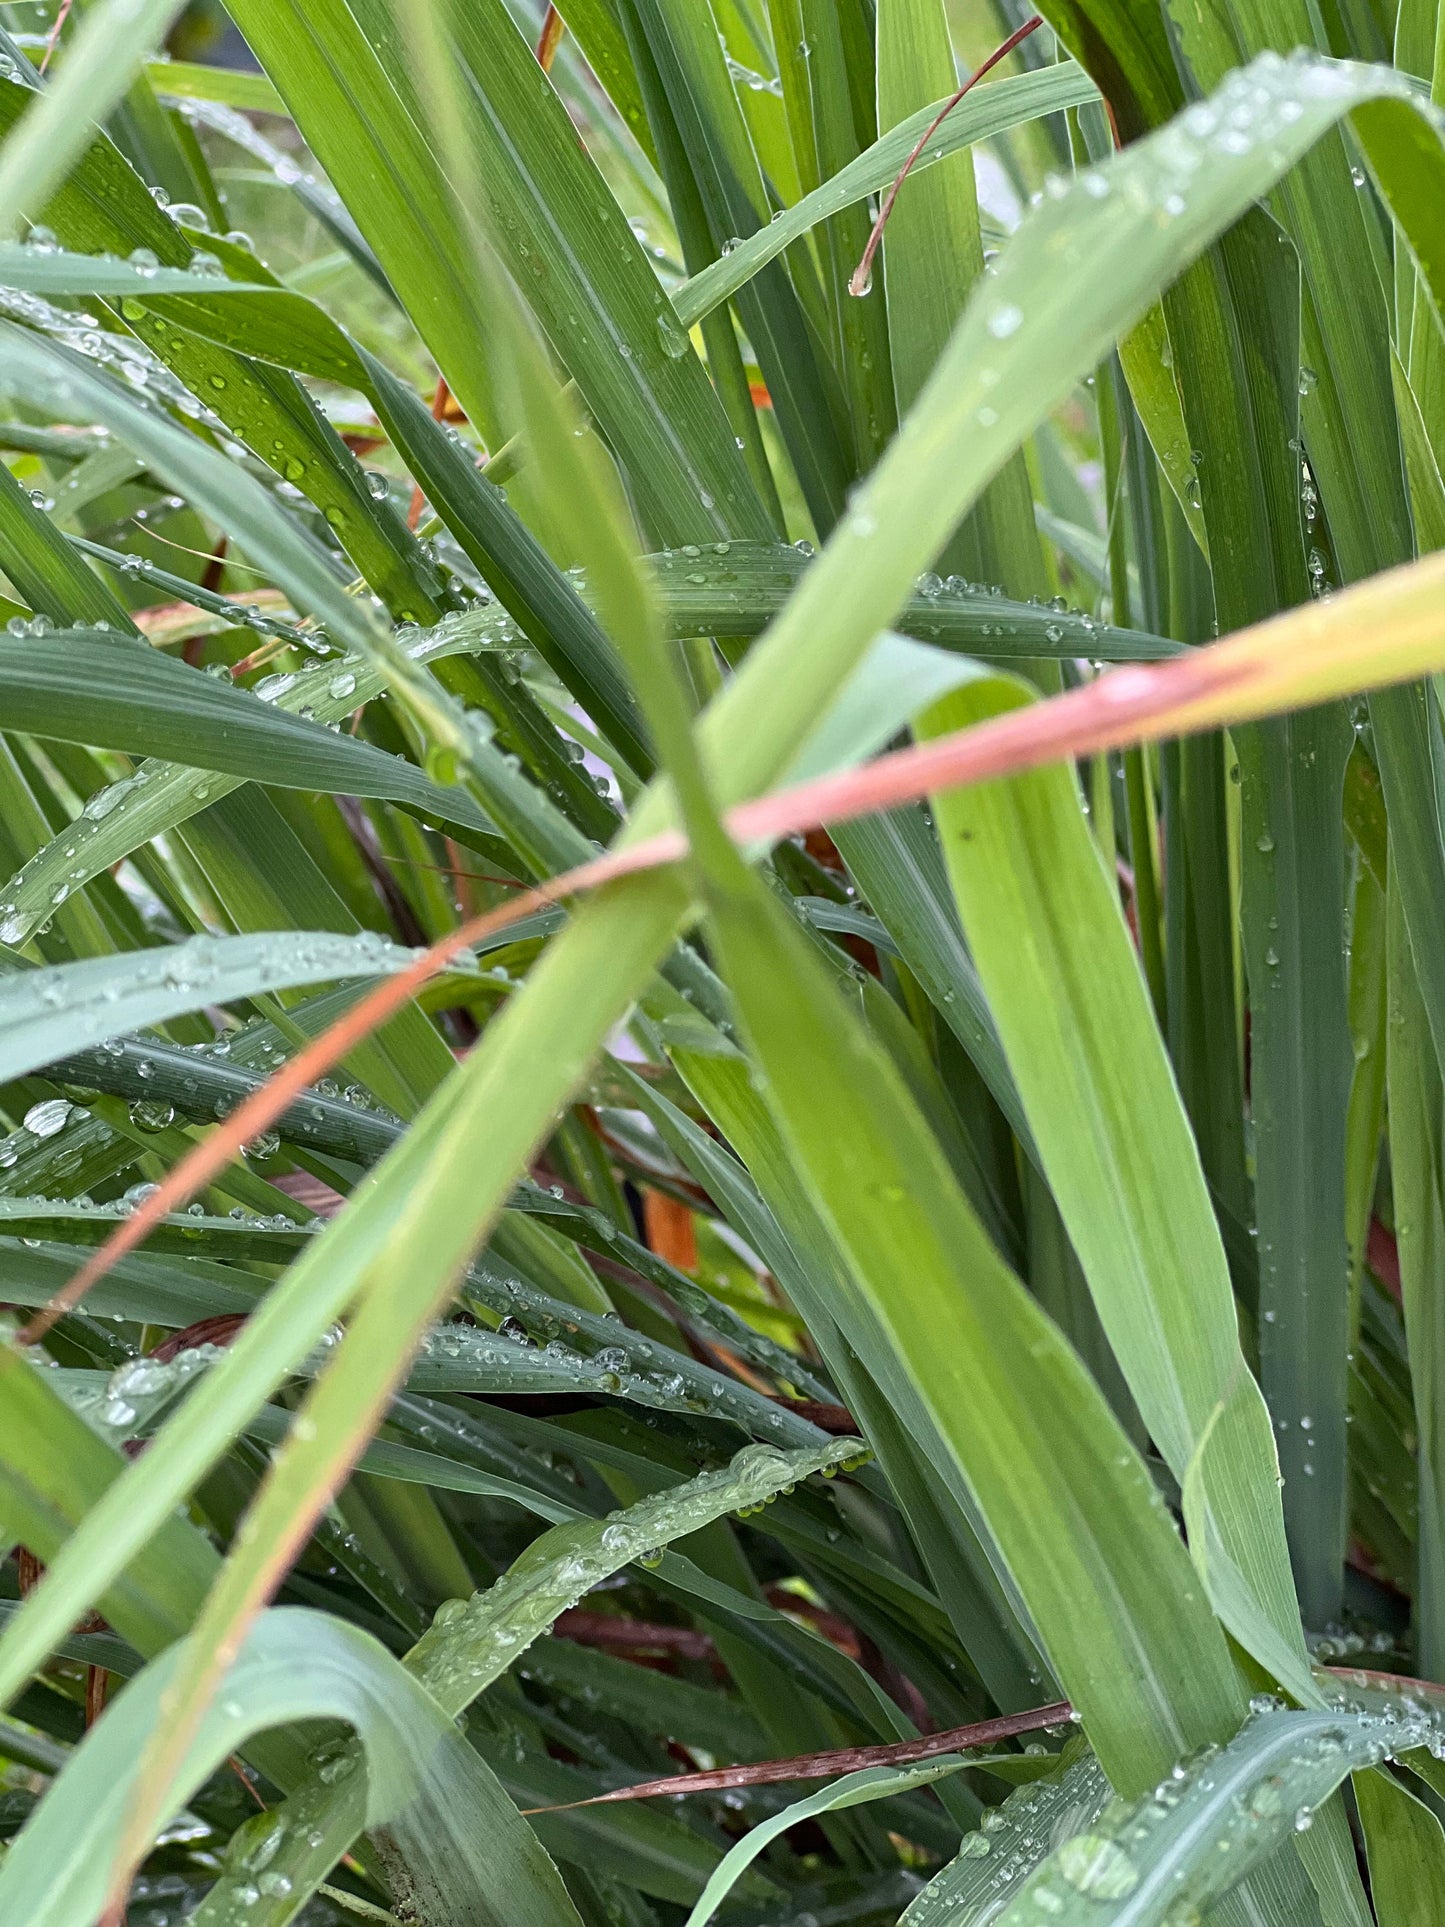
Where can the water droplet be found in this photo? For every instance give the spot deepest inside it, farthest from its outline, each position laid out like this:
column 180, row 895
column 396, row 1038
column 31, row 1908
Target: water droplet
column 674, row 340
column 1097, row 1867
column 47, row 1117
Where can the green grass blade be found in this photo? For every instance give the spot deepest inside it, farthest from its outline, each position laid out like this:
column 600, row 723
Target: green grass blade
column 1406, row 1849
column 42, row 1012
column 856, row 1789
column 934, row 255
column 424, row 1784
column 1234, row 321
column 46, row 569
column 1021, row 859
column 737, row 590
column 55, row 1468
column 982, row 1403
column 684, row 46
column 1222, row 1820
column 1416, row 1153
column 191, row 80
column 119, row 696
column 355, row 105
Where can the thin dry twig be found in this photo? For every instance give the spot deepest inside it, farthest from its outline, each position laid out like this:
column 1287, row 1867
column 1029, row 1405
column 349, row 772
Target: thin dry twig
column 550, row 38
column 862, row 277
column 441, row 401
column 843, row 1759
column 55, row 32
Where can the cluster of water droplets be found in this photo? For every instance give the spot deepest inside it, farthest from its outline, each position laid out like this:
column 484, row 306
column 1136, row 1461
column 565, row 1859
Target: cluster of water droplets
column 615, row 1359
column 87, row 998
column 748, row 77
column 674, row 563
column 1268, row 111
column 1337, row 1643
column 59, row 1138
column 1219, row 1813
column 36, row 1209
column 1051, row 620
column 1012, row 1838
column 482, row 628
column 121, row 354
column 206, row 1081
column 1255, row 111
column 138, row 1390
column 473, row 1640
column 458, row 1356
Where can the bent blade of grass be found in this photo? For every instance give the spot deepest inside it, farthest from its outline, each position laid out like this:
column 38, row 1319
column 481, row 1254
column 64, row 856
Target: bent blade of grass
column 855, row 1789
column 976, row 1886
column 1078, row 1028
column 430, row 1791
column 1222, row 1818
column 471, row 1643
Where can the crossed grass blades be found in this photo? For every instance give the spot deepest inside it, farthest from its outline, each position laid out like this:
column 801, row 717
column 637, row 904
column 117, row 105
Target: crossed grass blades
column 722, row 1000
